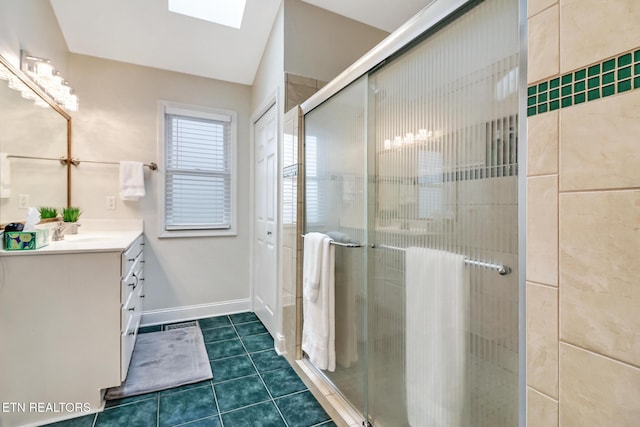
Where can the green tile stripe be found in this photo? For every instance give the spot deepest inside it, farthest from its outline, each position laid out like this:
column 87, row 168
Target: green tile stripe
column 599, row 80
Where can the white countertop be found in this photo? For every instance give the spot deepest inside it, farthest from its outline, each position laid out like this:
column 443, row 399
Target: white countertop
column 93, row 236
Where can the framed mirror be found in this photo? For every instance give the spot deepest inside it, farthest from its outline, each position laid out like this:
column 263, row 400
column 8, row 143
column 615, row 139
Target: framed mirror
column 35, row 147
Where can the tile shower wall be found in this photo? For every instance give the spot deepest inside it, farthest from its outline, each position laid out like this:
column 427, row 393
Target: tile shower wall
column 583, row 205
column 297, row 90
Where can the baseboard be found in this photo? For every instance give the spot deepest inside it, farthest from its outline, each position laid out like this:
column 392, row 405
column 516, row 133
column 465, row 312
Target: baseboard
column 280, row 344
column 191, row 312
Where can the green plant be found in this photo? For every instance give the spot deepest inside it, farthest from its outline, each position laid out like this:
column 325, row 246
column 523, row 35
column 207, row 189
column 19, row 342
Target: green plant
column 71, row 214
column 47, row 212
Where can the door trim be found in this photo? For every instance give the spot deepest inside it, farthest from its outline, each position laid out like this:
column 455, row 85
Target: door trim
column 271, row 101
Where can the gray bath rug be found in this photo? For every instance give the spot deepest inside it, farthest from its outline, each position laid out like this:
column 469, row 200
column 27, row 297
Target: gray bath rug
column 163, row 360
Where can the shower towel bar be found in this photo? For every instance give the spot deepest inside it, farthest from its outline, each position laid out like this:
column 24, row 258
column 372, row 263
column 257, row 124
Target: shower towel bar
column 75, row 162
column 344, row 245
column 501, row 269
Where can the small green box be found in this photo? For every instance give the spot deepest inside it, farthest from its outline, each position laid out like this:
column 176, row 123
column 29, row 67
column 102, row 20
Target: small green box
column 26, row 240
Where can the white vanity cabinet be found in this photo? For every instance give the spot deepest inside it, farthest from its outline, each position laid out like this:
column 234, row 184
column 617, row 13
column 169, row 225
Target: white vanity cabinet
column 68, row 322
column 132, row 298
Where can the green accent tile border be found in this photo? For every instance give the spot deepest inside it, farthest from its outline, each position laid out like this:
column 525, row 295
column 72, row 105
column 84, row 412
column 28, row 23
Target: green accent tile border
column 602, row 79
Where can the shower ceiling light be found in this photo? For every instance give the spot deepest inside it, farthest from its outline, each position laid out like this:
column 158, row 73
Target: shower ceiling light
column 223, row 12
column 49, row 80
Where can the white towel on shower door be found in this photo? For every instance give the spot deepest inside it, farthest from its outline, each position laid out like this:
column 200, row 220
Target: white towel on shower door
column 436, row 300
column 312, row 265
column 318, row 327
column 131, row 180
column 5, row 176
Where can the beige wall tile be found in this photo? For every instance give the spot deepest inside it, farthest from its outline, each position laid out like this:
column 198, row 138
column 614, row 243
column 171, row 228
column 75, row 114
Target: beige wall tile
column 542, row 144
column 597, row 391
column 592, row 30
column 599, row 271
column 599, row 144
column 301, row 80
column 544, row 45
column 296, row 94
column 542, row 338
column 542, row 411
column 537, row 6
column 542, row 229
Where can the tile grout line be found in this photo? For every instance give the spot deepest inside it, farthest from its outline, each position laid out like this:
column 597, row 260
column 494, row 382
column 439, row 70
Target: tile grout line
column 213, row 388
column 261, row 379
column 237, row 355
column 215, row 399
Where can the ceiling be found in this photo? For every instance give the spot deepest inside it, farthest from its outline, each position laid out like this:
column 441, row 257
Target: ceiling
column 144, row 32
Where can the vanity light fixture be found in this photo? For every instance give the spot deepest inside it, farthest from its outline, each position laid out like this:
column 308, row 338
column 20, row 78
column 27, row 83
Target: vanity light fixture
column 49, row 80
column 409, row 138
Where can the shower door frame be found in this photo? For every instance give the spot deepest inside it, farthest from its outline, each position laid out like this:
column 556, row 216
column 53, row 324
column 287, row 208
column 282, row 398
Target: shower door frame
column 427, row 19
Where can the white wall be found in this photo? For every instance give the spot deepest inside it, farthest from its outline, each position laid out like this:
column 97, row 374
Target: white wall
column 269, row 77
column 321, row 44
column 31, row 25
column 117, row 120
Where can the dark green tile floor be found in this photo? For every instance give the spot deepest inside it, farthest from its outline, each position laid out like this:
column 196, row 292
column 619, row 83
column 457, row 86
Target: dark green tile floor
column 252, row 386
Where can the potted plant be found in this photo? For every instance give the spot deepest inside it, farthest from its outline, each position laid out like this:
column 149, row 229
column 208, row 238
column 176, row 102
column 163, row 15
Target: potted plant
column 48, row 214
column 70, row 216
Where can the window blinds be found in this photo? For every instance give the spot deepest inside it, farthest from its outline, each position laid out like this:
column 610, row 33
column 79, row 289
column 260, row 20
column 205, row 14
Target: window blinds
column 198, row 170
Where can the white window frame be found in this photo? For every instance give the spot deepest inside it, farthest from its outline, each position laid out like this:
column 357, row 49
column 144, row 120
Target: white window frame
column 165, row 107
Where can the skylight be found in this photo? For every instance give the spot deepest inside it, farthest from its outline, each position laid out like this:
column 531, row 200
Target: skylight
column 223, row 12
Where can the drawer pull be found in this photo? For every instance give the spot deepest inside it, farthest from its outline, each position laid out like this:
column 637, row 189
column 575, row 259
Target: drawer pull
column 132, row 308
column 141, row 296
column 132, row 333
column 131, row 259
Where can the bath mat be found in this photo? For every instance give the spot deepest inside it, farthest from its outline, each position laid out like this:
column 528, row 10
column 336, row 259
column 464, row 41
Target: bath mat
column 163, row 360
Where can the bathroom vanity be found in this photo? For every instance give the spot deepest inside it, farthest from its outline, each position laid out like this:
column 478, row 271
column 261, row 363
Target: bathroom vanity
column 69, row 315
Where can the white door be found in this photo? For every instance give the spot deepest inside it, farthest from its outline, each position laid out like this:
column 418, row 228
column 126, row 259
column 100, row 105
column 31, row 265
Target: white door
column 265, row 293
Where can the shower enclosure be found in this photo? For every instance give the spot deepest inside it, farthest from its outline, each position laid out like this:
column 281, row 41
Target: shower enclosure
column 421, row 151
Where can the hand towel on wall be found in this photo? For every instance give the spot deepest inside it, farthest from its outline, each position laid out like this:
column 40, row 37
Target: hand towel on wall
column 131, row 180
column 5, row 176
column 318, row 328
column 436, row 328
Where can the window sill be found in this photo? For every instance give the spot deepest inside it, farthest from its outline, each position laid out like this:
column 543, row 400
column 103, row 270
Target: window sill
column 164, row 234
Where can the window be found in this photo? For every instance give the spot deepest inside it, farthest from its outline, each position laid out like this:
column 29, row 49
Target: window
column 198, row 150
column 315, row 206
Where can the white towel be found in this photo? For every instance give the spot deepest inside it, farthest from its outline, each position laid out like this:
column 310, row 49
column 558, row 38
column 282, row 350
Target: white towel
column 131, row 180
column 436, row 299
column 5, row 176
column 318, row 328
column 312, row 265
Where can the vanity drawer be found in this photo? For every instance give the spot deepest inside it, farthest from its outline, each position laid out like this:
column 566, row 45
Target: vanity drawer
column 132, row 308
column 133, row 279
column 127, row 343
column 130, row 255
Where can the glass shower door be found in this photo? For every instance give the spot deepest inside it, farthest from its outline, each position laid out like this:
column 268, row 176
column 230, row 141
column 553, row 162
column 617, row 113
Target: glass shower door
column 442, row 321
column 335, row 204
